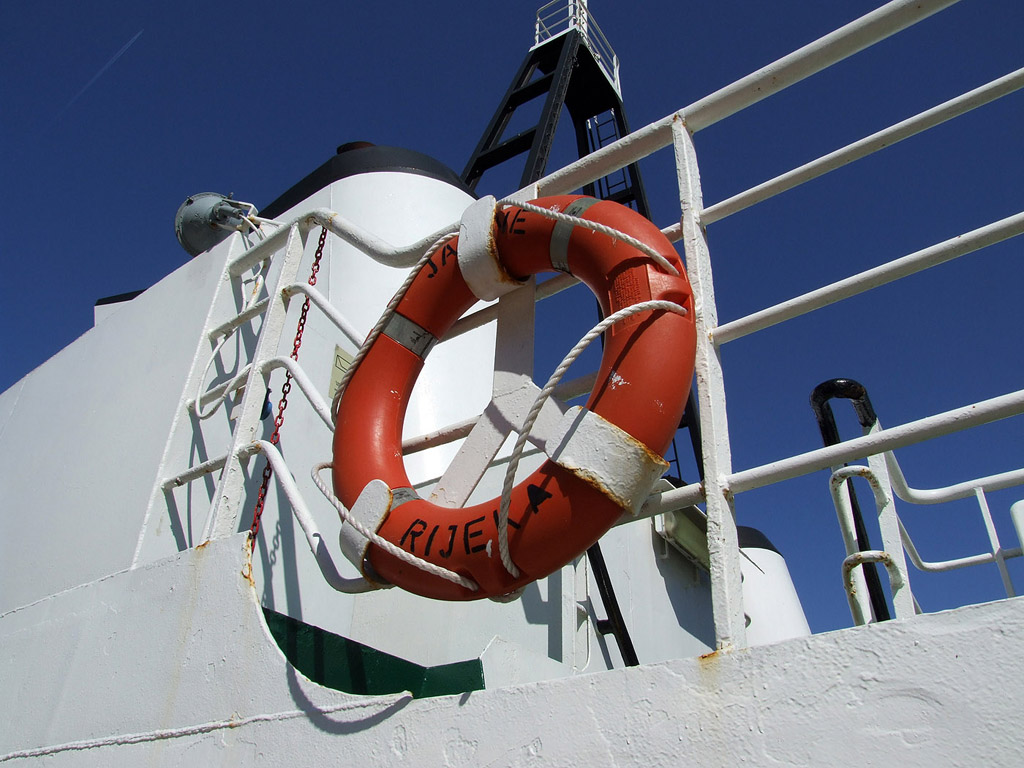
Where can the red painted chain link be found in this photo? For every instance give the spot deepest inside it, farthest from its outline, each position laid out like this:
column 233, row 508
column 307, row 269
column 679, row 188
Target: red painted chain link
column 268, row 472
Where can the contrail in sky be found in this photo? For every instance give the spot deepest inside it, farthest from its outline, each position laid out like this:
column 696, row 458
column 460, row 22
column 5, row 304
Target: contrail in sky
column 103, row 69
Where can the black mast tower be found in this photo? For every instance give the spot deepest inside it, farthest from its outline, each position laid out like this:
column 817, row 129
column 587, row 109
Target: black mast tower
column 575, row 68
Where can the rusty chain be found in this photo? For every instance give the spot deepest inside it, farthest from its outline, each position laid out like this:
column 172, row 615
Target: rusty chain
column 268, row 471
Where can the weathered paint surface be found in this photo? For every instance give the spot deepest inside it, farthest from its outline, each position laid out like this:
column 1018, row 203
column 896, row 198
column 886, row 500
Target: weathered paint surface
column 75, row 484
column 207, row 685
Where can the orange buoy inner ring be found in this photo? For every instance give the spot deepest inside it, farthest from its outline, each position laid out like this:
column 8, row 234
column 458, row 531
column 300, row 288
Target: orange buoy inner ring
column 554, row 516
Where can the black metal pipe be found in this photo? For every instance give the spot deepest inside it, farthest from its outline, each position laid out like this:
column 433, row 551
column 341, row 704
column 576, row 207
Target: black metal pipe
column 614, row 624
column 691, row 421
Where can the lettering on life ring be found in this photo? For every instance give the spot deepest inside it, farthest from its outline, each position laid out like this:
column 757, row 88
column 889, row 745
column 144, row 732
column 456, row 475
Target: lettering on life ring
column 555, row 514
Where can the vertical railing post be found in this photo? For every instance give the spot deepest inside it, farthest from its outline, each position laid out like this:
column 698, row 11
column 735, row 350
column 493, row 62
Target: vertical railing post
column 889, row 527
column 723, row 544
column 224, row 515
column 993, row 539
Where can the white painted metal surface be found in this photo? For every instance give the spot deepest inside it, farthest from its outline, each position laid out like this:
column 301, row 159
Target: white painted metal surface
column 448, row 391
column 143, row 647
column 934, row 690
column 478, row 256
column 771, row 606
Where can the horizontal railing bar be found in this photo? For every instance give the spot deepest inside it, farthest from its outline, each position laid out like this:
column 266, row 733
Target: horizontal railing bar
column 221, row 390
column 308, row 388
column 239, row 380
column 567, row 390
column 554, row 285
column 528, row 452
column 950, row 492
column 580, row 385
column 475, row 320
column 325, row 306
column 266, row 248
column 939, row 424
column 952, row 564
column 866, row 146
column 443, row 436
column 889, row 439
column 777, row 76
column 194, row 473
column 942, row 566
column 375, row 247
column 812, row 58
column 668, row 501
column 241, row 318
column 545, row 290
column 872, row 278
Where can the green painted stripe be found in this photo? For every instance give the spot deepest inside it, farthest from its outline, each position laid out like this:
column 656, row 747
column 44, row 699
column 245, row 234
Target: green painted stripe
column 345, row 665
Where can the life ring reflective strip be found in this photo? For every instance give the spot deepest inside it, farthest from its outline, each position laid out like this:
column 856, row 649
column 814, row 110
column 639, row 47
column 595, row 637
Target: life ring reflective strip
column 641, row 388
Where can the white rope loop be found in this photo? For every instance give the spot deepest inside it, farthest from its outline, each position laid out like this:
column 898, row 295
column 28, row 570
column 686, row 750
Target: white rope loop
column 387, row 546
column 595, row 226
column 538, row 403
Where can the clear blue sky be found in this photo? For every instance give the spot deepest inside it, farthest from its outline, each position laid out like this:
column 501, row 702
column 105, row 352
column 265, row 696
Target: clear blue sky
column 112, row 112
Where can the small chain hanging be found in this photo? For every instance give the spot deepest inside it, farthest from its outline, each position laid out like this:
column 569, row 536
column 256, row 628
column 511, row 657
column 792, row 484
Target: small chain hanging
column 268, row 472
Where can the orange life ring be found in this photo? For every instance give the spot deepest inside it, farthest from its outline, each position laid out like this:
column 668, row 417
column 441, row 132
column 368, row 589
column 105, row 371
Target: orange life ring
column 554, row 515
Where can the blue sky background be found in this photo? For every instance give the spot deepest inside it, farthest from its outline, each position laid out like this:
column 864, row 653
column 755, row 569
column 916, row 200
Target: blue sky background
column 111, row 113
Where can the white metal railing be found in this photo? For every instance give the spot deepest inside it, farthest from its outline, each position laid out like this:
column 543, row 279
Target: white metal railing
column 286, row 245
column 868, row 145
column 678, row 129
column 873, row 278
column 757, row 86
column 558, row 17
column 884, row 484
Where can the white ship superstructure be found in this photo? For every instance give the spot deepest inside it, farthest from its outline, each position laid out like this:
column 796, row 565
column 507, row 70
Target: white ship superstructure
column 144, row 624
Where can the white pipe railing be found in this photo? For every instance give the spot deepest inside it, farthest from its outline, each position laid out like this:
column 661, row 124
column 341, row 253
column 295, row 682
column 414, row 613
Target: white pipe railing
column 678, row 128
column 314, row 538
column 866, row 146
column 858, row 559
column 889, row 439
column 950, row 492
column 777, row 76
column 881, row 491
column 872, row 278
